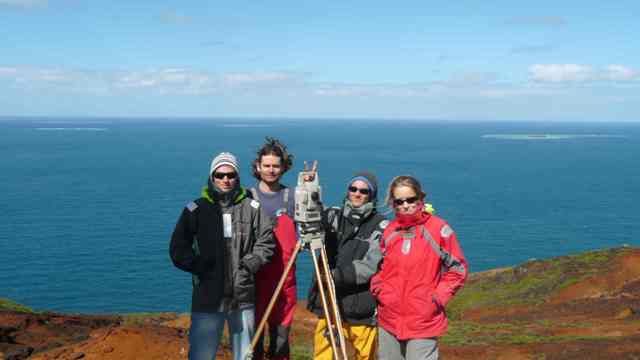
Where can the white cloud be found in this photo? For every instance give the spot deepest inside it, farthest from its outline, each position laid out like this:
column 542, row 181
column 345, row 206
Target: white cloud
column 152, row 78
column 257, row 78
column 558, row 73
column 8, row 71
column 551, row 80
column 467, row 95
column 412, row 90
column 471, row 79
column 352, row 90
column 575, row 73
column 511, row 91
column 164, row 80
column 464, row 82
column 55, row 76
column 24, row 3
column 44, row 76
column 621, row 73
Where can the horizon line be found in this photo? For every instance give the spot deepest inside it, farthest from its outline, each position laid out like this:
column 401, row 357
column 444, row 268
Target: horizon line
column 162, row 118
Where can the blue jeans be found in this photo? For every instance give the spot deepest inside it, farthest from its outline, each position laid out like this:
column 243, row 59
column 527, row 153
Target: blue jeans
column 206, row 331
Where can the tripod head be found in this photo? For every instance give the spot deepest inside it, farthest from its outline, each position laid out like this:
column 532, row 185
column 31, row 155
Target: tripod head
column 308, row 207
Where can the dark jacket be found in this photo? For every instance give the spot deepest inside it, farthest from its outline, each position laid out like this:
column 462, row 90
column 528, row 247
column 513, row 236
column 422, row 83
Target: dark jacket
column 198, row 246
column 353, row 249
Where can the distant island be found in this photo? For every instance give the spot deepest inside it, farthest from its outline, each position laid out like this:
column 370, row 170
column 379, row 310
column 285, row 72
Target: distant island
column 71, row 129
column 547, row 136
column 584, row 306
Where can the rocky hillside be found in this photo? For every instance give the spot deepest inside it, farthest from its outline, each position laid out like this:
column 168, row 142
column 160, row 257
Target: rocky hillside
column 584, row 306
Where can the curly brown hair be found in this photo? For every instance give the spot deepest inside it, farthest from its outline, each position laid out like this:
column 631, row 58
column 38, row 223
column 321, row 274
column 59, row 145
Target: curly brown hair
column 272, row 146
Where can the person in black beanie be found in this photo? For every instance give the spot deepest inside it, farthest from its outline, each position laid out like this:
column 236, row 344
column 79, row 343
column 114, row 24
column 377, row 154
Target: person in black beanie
column 353, row 234
column 222, row 238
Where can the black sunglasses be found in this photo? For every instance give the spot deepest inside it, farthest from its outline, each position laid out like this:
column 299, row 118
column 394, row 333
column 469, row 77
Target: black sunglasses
column 363, row 191
column 221, row 175
column 409, row 200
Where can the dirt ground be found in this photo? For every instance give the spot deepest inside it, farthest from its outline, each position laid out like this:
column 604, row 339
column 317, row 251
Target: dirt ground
column 597, row 318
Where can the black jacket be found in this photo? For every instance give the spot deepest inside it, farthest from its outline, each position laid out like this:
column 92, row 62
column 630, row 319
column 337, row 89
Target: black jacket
column 354, row 253
column 198, row 246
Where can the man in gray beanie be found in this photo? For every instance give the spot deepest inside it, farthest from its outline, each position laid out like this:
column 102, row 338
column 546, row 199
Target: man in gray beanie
column 352, row 241
column 222, row 239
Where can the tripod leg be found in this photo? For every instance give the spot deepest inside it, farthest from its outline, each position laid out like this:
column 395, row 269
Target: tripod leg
column 274, row 298
column 334, row 302
column 325, row 307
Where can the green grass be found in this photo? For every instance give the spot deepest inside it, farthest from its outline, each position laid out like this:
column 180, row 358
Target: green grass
column 301, row 352
column 465, row 333
column 8, row 305
column 146, row 317
column 471, row 333
column 530, row 283
column 137, row 318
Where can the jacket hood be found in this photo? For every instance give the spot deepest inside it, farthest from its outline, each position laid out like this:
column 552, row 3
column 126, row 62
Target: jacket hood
column 206, row 193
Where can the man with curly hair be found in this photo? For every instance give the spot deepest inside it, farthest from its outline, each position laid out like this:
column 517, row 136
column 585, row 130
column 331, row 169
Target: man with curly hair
column 271, row 163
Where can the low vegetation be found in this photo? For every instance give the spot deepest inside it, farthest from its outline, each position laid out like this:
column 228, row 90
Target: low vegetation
column 8, row 305
column 536, row 310
column 530, row 283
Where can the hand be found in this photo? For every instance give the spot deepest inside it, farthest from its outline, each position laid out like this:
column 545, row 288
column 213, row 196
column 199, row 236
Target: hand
column 251, row 263
column 436, row 301
column 309, row 175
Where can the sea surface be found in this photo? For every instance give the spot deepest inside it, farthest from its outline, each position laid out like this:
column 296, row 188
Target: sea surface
column 87, row 206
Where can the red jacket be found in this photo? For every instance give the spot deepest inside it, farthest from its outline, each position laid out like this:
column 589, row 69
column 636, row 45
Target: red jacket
column 422, row 268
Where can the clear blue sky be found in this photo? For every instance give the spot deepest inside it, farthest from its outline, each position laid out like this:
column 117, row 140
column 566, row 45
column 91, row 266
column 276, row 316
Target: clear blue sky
column 458, row 60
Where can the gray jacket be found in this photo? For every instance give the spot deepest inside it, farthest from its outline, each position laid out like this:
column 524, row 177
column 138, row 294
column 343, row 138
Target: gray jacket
column 353, row 250
column 223, row 270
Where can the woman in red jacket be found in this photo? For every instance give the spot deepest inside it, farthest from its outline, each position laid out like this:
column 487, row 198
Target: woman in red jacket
column 422, row 268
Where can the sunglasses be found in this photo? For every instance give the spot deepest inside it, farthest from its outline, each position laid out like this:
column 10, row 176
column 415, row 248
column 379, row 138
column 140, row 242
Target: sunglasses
column 221, row 175
column 409, row 200
column 363, row 191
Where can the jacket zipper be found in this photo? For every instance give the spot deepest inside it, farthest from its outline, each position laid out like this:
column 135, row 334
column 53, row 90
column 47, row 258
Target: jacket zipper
column 404, row 290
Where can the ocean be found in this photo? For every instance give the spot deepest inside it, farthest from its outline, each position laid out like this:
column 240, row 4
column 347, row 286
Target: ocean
column 88, row 205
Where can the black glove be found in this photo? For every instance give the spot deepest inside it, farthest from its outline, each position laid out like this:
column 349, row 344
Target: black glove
column 251, row 263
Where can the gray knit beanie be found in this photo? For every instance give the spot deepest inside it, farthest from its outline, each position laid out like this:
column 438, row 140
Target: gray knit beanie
column 224, row 158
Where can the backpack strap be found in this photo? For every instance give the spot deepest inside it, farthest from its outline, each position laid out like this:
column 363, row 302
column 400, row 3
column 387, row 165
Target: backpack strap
column 254, row 193
column 286, row 202
column 284, row 209
column 448, row 261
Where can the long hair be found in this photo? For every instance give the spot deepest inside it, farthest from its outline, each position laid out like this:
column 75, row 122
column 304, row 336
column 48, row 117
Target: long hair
column 272, row 146
column 403, row 180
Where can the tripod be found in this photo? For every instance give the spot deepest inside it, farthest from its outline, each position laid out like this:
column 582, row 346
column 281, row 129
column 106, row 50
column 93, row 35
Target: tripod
column 307, row 216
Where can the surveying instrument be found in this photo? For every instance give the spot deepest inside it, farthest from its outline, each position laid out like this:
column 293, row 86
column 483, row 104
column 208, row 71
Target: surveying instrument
column 308, row 220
